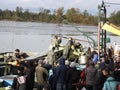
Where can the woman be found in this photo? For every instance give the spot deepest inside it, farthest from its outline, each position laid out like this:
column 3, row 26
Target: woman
column 110, row 83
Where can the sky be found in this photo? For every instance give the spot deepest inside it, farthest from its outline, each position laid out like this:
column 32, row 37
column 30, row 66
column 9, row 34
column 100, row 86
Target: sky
column 34, row 5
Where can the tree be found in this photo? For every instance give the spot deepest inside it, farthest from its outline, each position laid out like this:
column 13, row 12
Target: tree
column 59, row 14
column 18, row 14
column 115, row 18
column 85, row 13
column 70, row 14
column 7, row 14
column 26, row 15
column 1, row 14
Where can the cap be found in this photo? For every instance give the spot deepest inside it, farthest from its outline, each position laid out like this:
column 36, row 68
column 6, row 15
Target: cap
column 17, row 50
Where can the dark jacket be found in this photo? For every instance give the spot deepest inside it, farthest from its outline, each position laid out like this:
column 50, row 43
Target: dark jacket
column 102, row 65
column 61, row 71
column 99, row 81
column 30, row 79
column 90, row 75
column 72, row 77
column 117, row 75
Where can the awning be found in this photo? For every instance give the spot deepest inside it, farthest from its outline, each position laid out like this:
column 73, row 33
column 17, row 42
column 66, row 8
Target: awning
column 111, row 28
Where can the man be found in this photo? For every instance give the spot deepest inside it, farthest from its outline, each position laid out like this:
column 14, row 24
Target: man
column 17, row 54
column 93, row 56
column 67, row 48
column 41, row 75
column 51, row 56
column 90, row 75
column 56, row 40
column 60, row 76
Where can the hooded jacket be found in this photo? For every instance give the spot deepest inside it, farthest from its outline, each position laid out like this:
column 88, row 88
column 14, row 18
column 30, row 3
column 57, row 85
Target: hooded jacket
column 61, row 71
column 110, row 84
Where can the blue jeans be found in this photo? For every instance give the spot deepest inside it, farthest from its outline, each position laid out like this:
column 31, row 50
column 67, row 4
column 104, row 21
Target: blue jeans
column 60, row 86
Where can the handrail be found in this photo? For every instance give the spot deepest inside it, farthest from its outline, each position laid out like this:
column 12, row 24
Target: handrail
column 93, row 44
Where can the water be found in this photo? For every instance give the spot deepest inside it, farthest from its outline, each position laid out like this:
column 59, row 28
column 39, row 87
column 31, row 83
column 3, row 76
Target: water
column 36, row 37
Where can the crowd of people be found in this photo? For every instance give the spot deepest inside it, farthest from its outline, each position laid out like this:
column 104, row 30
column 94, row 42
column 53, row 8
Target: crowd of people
column 65, row 73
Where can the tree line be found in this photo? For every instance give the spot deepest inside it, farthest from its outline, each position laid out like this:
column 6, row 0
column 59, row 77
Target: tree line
column 72, row 15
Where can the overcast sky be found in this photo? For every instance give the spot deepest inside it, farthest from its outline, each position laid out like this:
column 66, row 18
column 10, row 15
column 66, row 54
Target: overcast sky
column 34, row 5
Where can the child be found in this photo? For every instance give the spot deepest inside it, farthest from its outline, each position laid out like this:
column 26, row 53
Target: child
column 19, row 81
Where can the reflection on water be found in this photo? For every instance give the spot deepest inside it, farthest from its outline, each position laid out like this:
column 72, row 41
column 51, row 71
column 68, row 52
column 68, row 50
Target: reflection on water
column 32, row 36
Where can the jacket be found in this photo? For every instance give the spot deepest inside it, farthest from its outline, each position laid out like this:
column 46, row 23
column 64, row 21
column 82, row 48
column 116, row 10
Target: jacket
column 90, row 75
column 51, row 57
column 110, row 84
column 99, row 81
column 41, row 75
column 61, row 71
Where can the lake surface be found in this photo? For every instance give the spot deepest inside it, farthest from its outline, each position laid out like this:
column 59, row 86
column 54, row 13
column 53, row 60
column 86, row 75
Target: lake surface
column 36, row 37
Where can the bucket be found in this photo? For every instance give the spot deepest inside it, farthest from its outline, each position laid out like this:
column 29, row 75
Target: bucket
column 82, row 59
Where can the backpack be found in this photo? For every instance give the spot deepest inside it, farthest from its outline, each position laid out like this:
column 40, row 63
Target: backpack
column 21, row 82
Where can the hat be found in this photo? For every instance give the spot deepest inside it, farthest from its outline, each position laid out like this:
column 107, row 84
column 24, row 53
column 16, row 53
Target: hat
column 67, row 62
column 40, row 62
column 73, row 64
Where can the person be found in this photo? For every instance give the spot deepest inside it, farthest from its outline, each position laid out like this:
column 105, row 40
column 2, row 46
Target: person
column 93, row 56
column 99, row 80
column 72, row 76
column 51, row 56
column 19, row 82
column 66, row 51
column 90, row 76
column 88, row 52
column 82, row 79
column 61, row 74
column 52, row 78
column 112, row 51
column 17, row 54
column 110, row 83
column 14, row 66
column 78, row 47
column 56, row 40
column 20, row 57
column 116, row 72
column 102, row 64
column 29, row 70
column 16, row 58
column 41, row 75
